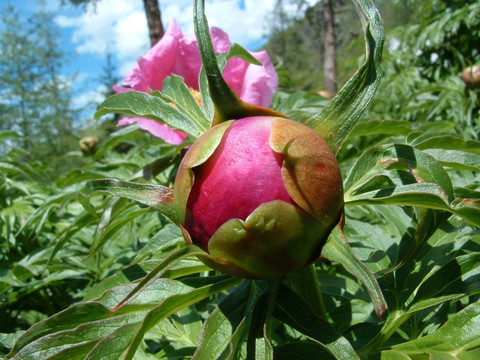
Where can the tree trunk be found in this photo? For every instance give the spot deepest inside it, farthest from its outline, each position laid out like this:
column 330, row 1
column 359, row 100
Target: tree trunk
column 154, row 20
column 330, row 64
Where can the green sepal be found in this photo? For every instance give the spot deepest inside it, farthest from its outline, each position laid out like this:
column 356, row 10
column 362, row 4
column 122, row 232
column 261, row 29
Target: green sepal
column 310, row 170
column 275, row 239
column 339, row 117
column 157, row 197
column 228, row 105
column 337, row 249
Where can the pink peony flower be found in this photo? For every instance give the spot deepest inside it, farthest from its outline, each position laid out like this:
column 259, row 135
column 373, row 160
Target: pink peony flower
column 178, row 54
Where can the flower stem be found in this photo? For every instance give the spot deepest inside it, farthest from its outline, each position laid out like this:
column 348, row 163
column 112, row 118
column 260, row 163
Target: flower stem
column 261, row 316
column 397, row 319
column 305, row 282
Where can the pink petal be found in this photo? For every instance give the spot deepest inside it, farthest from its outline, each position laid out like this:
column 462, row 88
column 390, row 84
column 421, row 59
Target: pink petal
column 243, row 173
column 178, row 54
column 254, row 84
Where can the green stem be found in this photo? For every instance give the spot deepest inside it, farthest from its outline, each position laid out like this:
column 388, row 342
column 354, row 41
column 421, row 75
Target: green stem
column 305, row 282
column 397, row 319
column 261, row 316
column 228, row 105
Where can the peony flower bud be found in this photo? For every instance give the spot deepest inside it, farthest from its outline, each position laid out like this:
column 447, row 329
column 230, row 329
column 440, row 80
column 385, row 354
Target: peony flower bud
column 471, row 76
column 88, row 145
column 260, row 195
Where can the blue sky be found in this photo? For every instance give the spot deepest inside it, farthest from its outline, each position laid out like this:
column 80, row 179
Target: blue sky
column 119, row 27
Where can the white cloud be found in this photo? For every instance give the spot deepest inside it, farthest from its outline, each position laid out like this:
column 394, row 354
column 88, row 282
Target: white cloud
column 117, row 25
column 244, row 26
column 121, row 27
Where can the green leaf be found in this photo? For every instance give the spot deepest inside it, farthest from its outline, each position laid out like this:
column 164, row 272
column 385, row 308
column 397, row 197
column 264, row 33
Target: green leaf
column 157, row 197
column 227, row 104
column 207, row 104
column 175, row 90
column 337, row 249
column 394, row 355
column 401, row 175
column 383, row 127
column 339, row 117
column 177, row 302
column 141, row 104
column 168, row 237
column 295, row 312
column 459, row 277
column 456, row 338
column 171, row 260
column 87, row 205
column 301, row 350
column 125, row 216
column 227, row 326
column 401, row 164
column 445, row 142
column 456, row 160
column 239, row 51
column 91, row 330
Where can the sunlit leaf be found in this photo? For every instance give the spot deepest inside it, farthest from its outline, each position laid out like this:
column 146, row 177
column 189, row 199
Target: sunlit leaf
column 140, row 104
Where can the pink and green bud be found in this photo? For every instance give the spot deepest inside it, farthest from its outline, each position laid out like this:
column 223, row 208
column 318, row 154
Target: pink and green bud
column 260, row 195
column 471, row 76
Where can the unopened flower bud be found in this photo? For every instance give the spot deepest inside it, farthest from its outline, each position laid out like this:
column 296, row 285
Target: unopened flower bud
column 260, row 195
column 471, row 76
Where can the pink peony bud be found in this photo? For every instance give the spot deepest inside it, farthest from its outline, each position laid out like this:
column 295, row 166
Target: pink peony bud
column 178, row 54
column 260, row 195
column 471, row 76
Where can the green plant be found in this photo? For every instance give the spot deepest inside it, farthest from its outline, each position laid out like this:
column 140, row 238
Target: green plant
column 411, row 219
